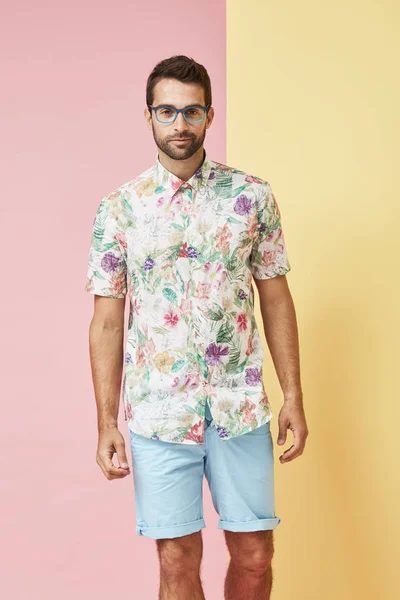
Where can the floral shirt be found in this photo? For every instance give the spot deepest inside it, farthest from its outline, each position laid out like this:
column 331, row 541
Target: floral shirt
column 184, row 254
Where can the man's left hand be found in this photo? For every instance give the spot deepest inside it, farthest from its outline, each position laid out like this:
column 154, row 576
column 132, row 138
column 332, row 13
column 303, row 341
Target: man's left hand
column 291, row 416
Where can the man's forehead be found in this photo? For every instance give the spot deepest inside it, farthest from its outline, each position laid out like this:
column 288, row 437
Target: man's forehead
column 177, row 94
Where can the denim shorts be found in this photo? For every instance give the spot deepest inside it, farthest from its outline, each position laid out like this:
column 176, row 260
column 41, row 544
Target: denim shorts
column 168, row 482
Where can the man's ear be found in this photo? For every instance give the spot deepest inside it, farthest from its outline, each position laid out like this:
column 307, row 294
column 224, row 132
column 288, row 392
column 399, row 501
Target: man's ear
column 147, row 116
column 210, row 116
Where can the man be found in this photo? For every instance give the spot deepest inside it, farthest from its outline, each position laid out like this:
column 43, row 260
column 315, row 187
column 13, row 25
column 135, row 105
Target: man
column 183, row 241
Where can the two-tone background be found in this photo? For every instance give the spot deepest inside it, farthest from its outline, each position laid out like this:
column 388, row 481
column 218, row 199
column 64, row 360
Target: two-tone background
column 306, row 95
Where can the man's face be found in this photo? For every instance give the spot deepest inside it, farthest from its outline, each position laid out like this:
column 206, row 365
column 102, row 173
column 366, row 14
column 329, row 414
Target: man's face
column 180, row 95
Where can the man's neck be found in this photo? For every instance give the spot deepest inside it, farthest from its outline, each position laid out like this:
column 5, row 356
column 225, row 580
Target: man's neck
column 184, row 169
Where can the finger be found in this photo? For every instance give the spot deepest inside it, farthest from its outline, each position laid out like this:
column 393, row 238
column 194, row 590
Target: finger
column 112, row 471
column 117, row 471
column 293, row 452
column 288, row 455
column 121, row 455
column 100, row 463
column 282, row 433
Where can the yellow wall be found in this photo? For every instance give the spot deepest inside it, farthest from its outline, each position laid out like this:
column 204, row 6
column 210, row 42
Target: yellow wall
column 313, row 107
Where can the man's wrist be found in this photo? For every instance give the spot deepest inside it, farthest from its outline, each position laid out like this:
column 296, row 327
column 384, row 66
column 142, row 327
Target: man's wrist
column 293, row 397
column 104, row 424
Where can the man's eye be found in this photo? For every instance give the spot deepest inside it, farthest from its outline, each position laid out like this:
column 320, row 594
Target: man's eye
column 166, row 111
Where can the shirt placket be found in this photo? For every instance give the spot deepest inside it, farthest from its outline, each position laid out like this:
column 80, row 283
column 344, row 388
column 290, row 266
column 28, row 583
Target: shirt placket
column 190, row 195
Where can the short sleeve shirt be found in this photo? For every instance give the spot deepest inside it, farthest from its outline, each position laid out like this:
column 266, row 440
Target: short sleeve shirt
column 184, row 254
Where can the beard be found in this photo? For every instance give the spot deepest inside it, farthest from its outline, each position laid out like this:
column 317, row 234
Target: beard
column 176, row 153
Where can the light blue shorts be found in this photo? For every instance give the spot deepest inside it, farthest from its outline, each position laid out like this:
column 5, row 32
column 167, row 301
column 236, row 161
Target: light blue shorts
column 168, row 482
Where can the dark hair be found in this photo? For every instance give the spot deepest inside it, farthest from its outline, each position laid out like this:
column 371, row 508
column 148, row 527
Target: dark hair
column 183, row 69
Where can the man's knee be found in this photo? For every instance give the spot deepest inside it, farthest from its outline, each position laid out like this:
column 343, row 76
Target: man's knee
column 251, row 551
column 181, row 555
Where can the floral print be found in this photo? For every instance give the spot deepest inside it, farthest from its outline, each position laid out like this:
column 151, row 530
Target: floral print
column 184, row 255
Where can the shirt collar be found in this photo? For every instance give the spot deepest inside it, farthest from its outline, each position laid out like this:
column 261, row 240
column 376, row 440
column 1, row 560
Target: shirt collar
column 198, row 181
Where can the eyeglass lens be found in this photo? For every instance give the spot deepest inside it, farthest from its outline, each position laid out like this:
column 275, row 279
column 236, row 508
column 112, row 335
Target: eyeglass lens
column 192, row 114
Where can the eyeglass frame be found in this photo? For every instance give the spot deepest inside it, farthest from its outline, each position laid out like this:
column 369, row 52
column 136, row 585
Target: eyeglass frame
column 179, row 110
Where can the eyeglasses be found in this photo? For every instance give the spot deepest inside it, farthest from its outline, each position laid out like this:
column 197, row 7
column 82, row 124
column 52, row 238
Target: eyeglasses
column 167, row 114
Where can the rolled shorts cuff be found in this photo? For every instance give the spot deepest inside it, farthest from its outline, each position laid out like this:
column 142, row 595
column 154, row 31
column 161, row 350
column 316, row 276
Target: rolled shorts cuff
column 255, row 525
column 171, row 531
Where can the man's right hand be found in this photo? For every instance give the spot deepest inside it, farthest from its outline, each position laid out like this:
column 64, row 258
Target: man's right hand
column 110, row 441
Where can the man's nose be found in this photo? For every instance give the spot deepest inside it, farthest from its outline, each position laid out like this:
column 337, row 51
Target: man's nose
column 180, row 122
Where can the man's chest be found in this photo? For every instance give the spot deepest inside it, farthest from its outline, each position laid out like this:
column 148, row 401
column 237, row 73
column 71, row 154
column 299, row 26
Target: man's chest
column 201, row 228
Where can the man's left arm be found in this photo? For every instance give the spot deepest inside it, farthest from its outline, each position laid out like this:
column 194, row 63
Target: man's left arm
column 280, row 326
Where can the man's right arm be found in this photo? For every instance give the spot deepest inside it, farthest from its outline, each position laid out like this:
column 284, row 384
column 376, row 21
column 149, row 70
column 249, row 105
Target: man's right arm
column 106, row 345
column 106, row 338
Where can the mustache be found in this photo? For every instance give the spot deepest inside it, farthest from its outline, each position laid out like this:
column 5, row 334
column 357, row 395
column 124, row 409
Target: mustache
column 182, row 137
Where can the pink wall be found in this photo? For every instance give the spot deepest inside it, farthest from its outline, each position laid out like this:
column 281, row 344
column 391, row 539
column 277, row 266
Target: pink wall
column 73, row 130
